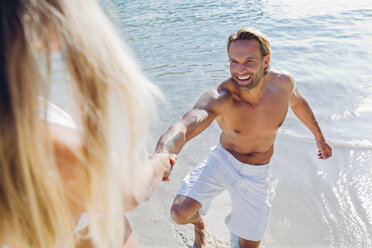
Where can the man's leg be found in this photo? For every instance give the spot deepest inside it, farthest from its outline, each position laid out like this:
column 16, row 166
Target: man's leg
column 248, row 243
column 185, row 210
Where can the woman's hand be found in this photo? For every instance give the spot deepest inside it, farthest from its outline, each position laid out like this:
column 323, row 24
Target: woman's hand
column 163, row 161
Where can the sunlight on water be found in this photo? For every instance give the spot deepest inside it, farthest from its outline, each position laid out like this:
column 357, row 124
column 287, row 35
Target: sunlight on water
column 307, row 8
column 327, row 47
column 352, row 191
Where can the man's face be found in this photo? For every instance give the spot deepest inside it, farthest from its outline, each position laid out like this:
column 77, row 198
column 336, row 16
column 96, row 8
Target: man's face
column 246, row 63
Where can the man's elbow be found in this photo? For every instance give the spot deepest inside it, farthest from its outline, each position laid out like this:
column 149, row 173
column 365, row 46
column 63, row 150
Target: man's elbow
column 299, row 104
column 179, row 131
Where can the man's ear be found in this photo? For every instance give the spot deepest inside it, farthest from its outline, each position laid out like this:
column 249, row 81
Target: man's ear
column 267, row 59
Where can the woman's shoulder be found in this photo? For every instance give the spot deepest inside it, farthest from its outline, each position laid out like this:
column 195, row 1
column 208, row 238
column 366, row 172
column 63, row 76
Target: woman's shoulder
column 66, row 142
column 67, row 148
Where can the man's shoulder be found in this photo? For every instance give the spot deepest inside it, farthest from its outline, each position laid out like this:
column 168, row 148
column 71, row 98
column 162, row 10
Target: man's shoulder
column 216, row 97
column 281, row 75
column 220, row 91
column 282, row 79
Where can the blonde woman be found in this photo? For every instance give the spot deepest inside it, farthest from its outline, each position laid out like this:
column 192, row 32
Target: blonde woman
column 52, row 167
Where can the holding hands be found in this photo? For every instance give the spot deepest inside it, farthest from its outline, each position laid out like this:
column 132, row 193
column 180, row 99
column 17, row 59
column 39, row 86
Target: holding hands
column 164, row 162
column 172, row 161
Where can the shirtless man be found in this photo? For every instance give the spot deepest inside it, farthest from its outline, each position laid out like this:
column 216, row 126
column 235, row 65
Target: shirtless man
column 249, row 107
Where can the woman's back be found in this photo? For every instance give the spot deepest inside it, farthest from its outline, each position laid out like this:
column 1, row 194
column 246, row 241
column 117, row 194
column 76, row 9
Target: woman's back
column 40, row 197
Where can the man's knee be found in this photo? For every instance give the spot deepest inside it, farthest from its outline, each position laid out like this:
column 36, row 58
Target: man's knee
column 179, row 215
column 249, row 243
column 184, row 209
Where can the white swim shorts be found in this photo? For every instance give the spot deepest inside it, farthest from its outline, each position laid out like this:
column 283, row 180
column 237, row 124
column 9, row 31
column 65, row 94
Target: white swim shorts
column 247, row 185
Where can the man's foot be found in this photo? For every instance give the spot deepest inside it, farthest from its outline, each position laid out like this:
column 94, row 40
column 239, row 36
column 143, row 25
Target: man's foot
column 199, row 229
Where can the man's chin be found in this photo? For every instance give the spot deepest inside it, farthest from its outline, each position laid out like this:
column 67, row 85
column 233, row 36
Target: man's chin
column 245, row 87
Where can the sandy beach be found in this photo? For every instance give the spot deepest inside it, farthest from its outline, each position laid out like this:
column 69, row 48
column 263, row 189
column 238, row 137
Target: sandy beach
column 302, row 198
column 326, row 46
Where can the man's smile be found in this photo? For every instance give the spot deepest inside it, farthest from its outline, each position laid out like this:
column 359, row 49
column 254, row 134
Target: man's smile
column 244, row 78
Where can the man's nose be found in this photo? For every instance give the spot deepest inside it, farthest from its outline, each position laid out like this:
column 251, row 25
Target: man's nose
column 240, row 69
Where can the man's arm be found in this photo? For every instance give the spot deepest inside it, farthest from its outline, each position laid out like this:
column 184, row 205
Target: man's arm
column 193, row 123
column 304, row 113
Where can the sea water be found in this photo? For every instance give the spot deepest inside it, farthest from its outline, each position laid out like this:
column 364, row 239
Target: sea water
column 327, row 47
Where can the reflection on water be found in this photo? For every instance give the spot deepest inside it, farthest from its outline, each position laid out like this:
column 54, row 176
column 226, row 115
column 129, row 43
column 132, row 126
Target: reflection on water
column 352, row 191
column 320, row 203
column 325, row 45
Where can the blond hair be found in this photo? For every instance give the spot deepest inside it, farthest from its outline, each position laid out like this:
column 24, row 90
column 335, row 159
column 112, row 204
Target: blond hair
column 33, row 202
column 249, row 33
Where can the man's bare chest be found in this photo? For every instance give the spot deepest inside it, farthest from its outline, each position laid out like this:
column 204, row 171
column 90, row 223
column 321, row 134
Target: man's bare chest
column 245, row 118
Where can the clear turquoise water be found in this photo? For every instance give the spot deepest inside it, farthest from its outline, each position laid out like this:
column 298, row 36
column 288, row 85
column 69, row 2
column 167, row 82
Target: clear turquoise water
column 327, row 47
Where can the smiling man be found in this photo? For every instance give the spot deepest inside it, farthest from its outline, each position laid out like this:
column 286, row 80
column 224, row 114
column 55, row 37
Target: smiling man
column 249, row 107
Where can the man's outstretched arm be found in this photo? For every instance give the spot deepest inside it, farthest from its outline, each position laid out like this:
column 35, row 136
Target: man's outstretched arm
column 193, row 123
column 304, row 113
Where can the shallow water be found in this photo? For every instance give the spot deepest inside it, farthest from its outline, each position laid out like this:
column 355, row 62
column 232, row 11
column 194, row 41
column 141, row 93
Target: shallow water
column 326, row 46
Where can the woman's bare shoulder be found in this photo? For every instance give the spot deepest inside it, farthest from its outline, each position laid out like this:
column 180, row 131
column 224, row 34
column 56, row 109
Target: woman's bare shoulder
column 67, row 148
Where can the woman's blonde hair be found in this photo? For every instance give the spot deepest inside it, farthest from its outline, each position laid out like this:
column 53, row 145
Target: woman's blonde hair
column 33, row 201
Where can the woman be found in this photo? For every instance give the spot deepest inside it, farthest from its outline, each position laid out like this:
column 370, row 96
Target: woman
column 53, row 168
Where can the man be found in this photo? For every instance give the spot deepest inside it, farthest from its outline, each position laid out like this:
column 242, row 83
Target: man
column 249, row 107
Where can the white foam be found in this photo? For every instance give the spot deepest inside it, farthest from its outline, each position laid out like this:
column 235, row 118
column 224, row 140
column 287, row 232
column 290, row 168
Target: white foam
column 356, row 144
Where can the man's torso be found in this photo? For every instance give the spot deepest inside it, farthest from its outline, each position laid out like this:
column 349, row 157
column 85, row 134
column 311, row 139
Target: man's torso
column 249, row 130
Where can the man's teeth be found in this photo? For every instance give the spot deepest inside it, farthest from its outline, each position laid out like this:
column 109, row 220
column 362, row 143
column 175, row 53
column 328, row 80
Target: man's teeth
column 244, row 78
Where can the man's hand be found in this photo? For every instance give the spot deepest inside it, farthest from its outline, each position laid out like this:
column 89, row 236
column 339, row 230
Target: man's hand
column 325, row 151
column 172, row 161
